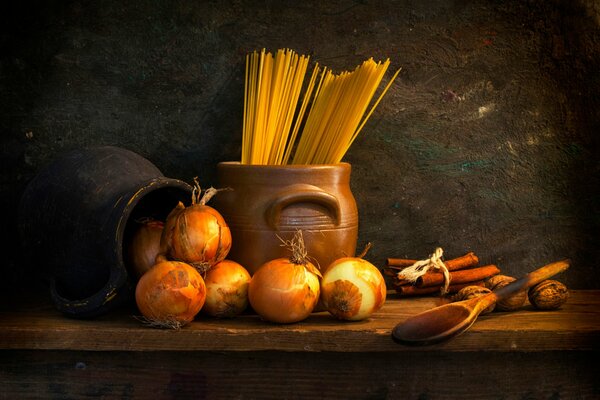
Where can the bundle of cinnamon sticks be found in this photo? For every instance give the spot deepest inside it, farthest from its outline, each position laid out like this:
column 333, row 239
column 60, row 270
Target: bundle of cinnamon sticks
column 464, row 271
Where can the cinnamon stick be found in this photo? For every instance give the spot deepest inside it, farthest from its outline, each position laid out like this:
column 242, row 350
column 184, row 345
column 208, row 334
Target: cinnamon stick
column 466, row 261
column 410, row 290
column 461, row 276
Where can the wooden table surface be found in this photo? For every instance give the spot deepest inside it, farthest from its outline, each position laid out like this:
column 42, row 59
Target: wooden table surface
column 521, row 354
column 576, row 326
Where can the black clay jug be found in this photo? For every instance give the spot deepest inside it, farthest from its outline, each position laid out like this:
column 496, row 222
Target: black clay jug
column 76, row 215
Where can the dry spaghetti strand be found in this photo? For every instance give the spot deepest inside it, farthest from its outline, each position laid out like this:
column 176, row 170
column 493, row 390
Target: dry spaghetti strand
column 279, row 128
column 338, row 113
column 273, row 85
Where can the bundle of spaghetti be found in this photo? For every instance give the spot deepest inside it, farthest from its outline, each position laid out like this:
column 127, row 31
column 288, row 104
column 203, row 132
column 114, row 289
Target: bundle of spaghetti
column 337, row 114
column 272, row 113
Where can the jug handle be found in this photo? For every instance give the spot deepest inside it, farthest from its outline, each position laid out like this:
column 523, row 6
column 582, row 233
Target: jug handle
column 114, row 291
column 301, row 193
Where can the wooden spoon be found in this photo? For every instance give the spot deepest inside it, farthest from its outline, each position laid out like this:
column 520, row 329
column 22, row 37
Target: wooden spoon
column 443, row 322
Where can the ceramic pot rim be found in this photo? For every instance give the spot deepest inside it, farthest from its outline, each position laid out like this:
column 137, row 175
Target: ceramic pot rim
column 238, row 164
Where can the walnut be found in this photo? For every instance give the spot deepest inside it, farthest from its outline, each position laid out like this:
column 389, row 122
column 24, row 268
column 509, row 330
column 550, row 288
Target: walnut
column 468, row 292
column 511, row 303
column 548, row 295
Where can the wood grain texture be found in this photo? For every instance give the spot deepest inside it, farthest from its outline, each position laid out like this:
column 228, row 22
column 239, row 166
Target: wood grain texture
column 574, row 327
column 272, row 375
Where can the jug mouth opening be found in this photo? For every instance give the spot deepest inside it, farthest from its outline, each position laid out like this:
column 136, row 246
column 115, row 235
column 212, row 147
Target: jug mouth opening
column 114, row 282
column 73, row 294
column 152, row 202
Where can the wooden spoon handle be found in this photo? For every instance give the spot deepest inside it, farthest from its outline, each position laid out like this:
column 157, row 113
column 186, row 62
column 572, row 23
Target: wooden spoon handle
column 532, row 278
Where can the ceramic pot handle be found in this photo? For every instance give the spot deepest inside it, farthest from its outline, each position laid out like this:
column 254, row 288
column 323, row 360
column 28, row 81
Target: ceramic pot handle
column 301, row 193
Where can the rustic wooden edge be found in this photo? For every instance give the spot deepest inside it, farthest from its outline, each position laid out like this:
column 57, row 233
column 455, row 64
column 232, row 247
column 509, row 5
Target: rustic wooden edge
column 299, row 375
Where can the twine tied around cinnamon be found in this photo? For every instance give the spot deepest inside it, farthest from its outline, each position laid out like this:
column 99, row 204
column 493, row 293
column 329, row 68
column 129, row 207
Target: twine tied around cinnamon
column 420, row 267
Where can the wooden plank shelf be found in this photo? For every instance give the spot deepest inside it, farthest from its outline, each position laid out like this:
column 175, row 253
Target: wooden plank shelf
column 524, row 354
column 576, row 326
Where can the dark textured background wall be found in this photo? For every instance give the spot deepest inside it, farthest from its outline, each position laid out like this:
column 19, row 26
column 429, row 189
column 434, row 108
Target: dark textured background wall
column 486, row 142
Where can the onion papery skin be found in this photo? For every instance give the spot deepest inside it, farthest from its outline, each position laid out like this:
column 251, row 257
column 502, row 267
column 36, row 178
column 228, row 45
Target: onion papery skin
column 226, row 289
column 170, row 293
column 352, row 289
column 196, row 235
column 144, row 247
column 283, row 292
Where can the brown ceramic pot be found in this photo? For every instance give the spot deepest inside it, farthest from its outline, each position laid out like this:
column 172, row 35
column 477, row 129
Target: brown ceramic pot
column 270, row 201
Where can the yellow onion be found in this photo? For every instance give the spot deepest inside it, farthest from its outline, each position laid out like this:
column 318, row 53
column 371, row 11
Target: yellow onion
column 285, row 290
column 170, row 294
column 144, row 247
column 226, row 289
column 198, row 234
column 352, row 289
